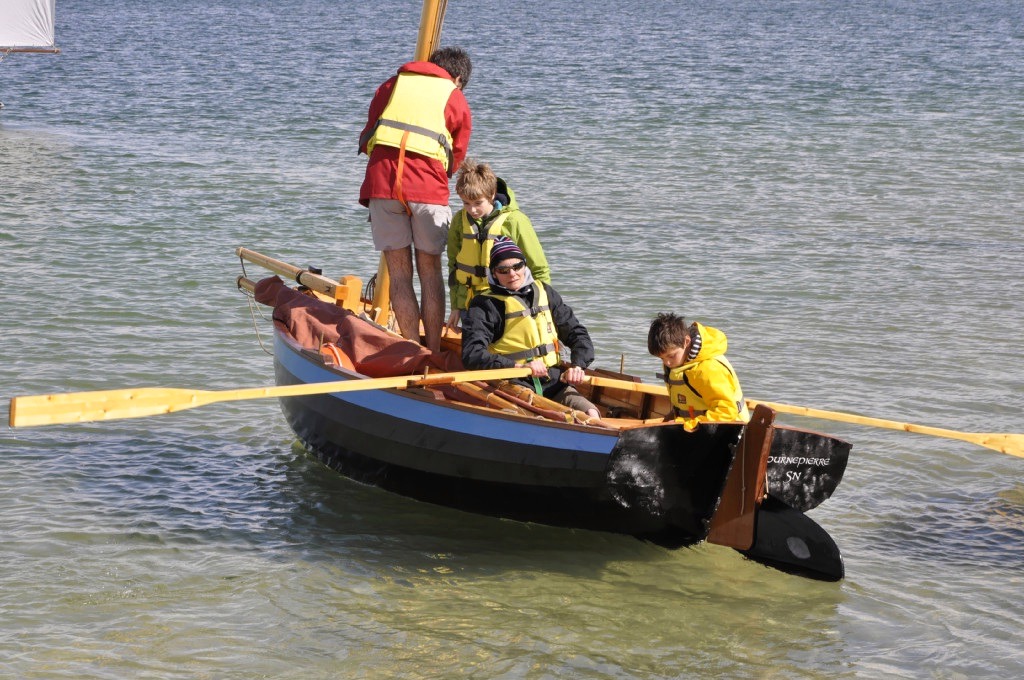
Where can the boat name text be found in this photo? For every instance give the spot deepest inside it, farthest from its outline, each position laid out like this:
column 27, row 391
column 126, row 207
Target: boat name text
column 798, row 460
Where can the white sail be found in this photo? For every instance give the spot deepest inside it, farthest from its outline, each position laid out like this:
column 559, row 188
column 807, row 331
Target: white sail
column 26, row 25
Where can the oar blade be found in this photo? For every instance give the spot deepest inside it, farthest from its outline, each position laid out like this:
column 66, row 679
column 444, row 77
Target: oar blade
column 82, row 407
column 1012, row 444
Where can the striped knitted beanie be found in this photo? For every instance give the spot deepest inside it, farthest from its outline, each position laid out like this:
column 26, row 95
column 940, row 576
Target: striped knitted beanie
column 505, row 248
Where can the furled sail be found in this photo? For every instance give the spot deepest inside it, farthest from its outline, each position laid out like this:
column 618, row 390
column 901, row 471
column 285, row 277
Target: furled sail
column 27, row 26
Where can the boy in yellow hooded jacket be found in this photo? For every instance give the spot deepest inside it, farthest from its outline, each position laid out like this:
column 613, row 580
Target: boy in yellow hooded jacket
column 702, row 385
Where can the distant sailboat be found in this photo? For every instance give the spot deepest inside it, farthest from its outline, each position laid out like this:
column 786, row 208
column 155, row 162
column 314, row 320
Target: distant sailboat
column 27, row 26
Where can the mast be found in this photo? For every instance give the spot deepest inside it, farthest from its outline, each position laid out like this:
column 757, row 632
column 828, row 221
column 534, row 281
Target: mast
column 430, row 28
column 431, row 19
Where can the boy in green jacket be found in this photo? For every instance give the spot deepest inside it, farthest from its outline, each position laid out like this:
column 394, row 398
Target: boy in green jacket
column 489, row 211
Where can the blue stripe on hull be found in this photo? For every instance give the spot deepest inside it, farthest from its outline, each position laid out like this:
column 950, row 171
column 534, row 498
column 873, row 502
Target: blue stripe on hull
column 405, row 409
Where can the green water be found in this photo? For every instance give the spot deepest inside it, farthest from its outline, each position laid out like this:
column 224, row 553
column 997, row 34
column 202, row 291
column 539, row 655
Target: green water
column 839, row 187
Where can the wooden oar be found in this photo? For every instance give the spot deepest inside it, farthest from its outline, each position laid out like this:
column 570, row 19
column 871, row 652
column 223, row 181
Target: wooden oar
column 1012, row 444
column 81, row 407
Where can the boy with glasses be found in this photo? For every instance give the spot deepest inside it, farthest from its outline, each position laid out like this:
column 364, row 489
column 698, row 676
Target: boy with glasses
column 522, row 322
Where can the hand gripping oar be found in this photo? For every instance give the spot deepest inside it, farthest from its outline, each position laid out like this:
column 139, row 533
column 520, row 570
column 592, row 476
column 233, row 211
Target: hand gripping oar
column 1012, row 444
column 81, row 407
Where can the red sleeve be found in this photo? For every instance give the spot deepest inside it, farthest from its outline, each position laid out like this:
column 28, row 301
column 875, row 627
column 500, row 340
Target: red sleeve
column 460, row 124
column 380, row 100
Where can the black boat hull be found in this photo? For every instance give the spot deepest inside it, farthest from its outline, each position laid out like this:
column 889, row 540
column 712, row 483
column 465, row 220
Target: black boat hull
column 659, row 483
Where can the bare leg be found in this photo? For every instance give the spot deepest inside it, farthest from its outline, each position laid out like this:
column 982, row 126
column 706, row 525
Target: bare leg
column 403, row 297
column 432, row 289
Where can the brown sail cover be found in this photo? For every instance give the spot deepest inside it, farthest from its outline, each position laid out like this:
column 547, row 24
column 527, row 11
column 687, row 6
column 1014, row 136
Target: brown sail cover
column 374, row 351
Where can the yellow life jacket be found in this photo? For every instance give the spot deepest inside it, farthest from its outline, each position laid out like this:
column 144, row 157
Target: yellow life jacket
column 529, row 332
column 414, row 118
column 475, row 253
column 689, row 403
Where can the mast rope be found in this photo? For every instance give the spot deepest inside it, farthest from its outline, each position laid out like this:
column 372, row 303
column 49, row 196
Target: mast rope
column 254, row 310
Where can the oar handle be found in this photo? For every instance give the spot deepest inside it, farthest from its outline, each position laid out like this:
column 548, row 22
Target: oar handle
column 646, row 388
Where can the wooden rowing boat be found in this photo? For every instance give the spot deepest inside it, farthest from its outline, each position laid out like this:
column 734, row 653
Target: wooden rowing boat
column 494, row 449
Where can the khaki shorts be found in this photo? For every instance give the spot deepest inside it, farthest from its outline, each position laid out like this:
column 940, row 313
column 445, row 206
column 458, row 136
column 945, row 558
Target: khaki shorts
column 394, row 229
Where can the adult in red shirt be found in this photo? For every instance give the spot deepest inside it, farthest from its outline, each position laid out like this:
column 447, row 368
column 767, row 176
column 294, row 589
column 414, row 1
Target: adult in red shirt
column 416, row 135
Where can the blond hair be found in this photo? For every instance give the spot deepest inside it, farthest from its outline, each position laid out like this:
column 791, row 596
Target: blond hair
column 475, row 181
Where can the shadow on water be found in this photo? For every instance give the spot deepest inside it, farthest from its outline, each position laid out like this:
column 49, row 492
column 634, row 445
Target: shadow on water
column 200, row 492
column 188, row 489
column 430, row 549
column 337, row 511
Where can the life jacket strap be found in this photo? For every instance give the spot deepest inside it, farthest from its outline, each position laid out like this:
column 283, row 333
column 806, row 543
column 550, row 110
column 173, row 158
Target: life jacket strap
column 399, row 194
column 532, row 311
column 690, row 412
column 477, row 271
column 419, row 130
column 530, row 354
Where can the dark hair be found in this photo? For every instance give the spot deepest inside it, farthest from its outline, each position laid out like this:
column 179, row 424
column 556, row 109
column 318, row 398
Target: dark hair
column 667, row 331
column 455, row 61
